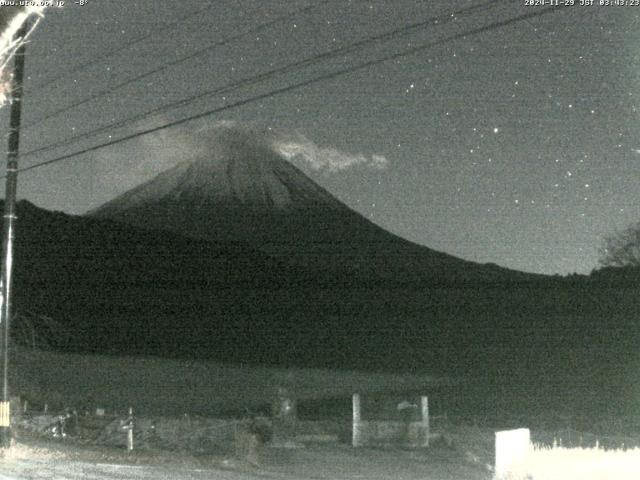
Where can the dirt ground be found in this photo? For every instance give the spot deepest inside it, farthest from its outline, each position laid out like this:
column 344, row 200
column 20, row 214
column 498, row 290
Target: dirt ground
column 344, row 462
column 51, row 459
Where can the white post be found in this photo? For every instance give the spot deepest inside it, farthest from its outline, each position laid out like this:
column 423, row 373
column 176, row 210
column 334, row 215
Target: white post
column 130, row 440
column 130, row 430
column 424, row 408
column 356, row 439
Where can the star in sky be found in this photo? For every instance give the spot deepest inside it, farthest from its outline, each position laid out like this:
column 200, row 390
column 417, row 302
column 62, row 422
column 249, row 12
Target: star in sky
column 500, row 146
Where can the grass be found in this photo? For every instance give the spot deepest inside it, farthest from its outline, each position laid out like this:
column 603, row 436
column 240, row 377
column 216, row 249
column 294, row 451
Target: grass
column 579, row 463
column 156, row 386
column 546, row 461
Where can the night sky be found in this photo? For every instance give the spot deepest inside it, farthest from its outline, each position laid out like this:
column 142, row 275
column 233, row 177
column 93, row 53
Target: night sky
column 517, row 145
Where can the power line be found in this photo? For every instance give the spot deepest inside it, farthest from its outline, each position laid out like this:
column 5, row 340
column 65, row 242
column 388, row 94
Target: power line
column 173, row 63
column 296, row 86
column 328, row 76
column 122, row 48
column 407, row 29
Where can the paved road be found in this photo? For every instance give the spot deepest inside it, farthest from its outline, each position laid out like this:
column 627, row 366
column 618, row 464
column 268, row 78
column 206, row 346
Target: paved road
column 315, row 463
column 65, row 470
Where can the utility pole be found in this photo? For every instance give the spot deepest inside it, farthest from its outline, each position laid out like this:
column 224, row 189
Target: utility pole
column 9, row 234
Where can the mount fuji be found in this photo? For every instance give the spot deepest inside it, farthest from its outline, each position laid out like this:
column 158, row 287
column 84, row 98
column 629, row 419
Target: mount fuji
column 243, row 192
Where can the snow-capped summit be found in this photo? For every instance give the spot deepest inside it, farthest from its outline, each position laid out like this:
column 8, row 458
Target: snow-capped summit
column 242, row 189
column 239, row 168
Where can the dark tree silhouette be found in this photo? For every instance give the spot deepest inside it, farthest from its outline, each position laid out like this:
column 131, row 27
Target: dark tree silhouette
column 622, row 249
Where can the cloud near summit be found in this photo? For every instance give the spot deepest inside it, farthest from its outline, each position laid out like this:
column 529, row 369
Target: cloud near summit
column 300, row 148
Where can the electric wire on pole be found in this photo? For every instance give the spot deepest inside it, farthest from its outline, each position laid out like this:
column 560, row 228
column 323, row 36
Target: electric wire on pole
column 299, row 85
column 294, row 67
column 46, row 83
column 197, row 53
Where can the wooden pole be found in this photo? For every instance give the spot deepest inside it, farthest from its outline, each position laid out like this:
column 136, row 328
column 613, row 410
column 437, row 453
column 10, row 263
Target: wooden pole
column 356, row 438
column 9, row 234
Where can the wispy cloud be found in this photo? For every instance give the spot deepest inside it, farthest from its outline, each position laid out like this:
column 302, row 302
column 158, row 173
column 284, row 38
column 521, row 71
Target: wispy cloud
column 302, row 149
